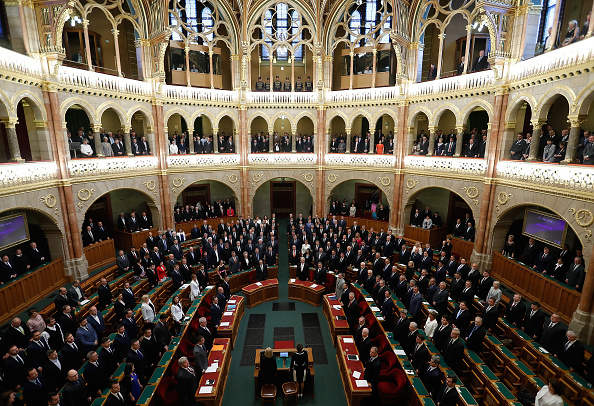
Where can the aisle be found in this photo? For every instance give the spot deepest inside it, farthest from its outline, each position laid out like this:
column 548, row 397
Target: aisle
column 277, row 320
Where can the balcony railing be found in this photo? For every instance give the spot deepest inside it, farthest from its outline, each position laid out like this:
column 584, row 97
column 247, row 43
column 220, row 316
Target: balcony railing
column 464, row 166
column 282, row 159
column 93, row 167
column 279, row 98
column 19, row 63
column 358, row 160
column 362, row 95
column 27, row 173
column 573, row 177
column 93, row 80
column 199, row 94
column 200, row 160
column 571, row 55
column 453, row 84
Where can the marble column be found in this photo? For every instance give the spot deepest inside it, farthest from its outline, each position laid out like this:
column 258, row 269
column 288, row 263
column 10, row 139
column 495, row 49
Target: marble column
column 188, row 80
column 117, row 51
column 440, row 54
column 127, row 142
column 215, row 140
column 13, row 141
column 467, row 52
column 352, row 55
column 348, row 140
column 191, row 140
column 97, row 137
column 574, row 137
column 270, row 140
column 535, row 143
column 85, row 24
column 432, row 130
column 371, row 141
column 373, row 74
column 459, row 140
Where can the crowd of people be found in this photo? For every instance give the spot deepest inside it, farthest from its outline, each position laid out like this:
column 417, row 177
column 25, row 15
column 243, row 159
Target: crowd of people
column 199, row 211
column 179, row 144
column 21, row 263
column 473, row 144
column 361, row 144
column 372, row 205
column 278, row 86
column 260, row 143
column 111, row 144
column 572, row 35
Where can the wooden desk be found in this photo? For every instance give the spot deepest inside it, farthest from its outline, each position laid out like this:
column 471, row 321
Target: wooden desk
column 434, row 236
column 283, row 371
column 100, row 254
column 260, row 292
column 125, row 240
column 354, row 394
column 306, row 291
column 462, row 247
column 231, row 319
column 337, row 327
column 223, row 358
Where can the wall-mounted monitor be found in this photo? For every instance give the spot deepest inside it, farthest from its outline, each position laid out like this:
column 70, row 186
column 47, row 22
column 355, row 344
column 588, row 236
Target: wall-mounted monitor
column 545, row 227
column 13, row 230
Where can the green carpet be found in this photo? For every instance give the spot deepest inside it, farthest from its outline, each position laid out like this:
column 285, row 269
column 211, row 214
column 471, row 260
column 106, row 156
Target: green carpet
column 240, row 382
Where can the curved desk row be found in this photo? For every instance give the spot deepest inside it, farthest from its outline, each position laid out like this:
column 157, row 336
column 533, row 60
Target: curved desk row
column 260, row 292
column 306, row 291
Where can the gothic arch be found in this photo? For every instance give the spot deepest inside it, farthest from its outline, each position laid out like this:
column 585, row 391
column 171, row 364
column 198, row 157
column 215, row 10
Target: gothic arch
column 384, row 181
column 363, row 113
column 308, row 115
column 413, row 115
column 584, row 99
column 386, row 111
column 336, row 113
column 227, row 113
column 514, row 107
column 147, row 115
column 173, row 111
column 441, row 110
column 34, row 102
column 116, row 108
column 202, row 112
column 88, row 109
column 464, row 114
column 282, row 115
column 544, row 104
column 256, row 115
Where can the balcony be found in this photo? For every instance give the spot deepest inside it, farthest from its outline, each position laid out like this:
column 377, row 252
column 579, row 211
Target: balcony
column 361, row 160
column 84, row 79
column 282, row 98
column 199, row 94
column 365, row 95
column 202, row 160
column 572, row 177
column 282, row 159
column 459, row 83
column 461, row 166
column 110, row 166
column 14, row 175
column 18, row 63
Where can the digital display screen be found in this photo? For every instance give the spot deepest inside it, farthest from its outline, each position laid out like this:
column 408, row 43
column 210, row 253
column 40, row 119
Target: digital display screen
column 13, row 230
column 545, row 227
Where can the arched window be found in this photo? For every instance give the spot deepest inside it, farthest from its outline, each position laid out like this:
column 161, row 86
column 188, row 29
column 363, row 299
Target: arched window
column 281, row 23
column 364, row 17
column 207, row 22
column 355, row 24
column 294, row 30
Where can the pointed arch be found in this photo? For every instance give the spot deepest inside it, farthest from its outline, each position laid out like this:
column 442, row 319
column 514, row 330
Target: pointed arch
column 145, row 112
column 464, row 114
column 88, row 109
column 34, row 101
column 547, row 99
column 413, row 115
column 441, row 110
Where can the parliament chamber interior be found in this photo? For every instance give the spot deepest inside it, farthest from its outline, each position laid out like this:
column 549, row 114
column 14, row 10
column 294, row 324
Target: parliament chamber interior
column 347, row 202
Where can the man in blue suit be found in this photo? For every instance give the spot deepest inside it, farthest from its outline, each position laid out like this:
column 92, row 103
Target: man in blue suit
column 215, row 312
column 416, row 302
column 86, row 337
column 95, row 319
column 430, row 375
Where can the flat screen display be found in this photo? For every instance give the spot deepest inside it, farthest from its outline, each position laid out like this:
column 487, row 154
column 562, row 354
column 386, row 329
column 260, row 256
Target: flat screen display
column 13, row 230
column 545, row 227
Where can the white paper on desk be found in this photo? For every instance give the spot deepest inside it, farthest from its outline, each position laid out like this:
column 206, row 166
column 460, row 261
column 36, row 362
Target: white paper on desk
column 356, row 374
column 205, row 390
column 231, row 301
column 409, row 371
column 375, row 309
column 211, row 369
column 228, row 314
column 293, row 280
column 380, row 318
column 426, row 303
column 224, row 324
column 361, row 383
column 369, row 299
column 347, row 340
column 214, row 365
column 259, row 283
column 336, row 307
column 541, row 349
column 209, row 287
column 314, row 285
column 84, row 302
column 185, row 285
column 399, row 352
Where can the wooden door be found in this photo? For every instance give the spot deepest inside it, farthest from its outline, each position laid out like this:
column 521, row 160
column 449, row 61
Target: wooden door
column 282, row 198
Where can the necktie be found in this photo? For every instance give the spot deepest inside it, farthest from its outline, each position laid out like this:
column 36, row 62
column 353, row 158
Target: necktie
column 37, row 382
column 567, row 345
column 459, row 313
column 19, row 359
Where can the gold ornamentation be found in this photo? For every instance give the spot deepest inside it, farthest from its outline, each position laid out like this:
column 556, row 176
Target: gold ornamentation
column 410, row 184
column 49, row 200
column 583, row 217
column 232, row 178
column 257, row 177
column 332, row 178
column 385, row 180
column 503, row 198
column 308, row 177
column 85, row 194
column 588, row 235
column 471, row 192
column 177, row 182
column 150, row 185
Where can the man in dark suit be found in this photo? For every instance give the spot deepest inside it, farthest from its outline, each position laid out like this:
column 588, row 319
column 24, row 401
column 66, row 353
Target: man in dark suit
column 442, row 333
column 75, row 393
column 35, row 388
column 457, row 286
column 95, row 375
column 544, row 262
column 352, row 311
column 460, row 68
column 572, row 352
column 404, row 255
column 453, row 350
column 205, row 332
column 575, row 275
column 54, row 371
column 320, row 274
column 372, row 373
column 107, row 356
column 36, row 256
column 364, row 345
column 430, row 375
column 533, row 321
column 401, row 326
column 461, row 316
column 14, row 367
column 469, row 233
column 128, row 296
column 17, row 334
column 118, row 148
column 484, row 285
column 518, row 147
column 88, row 237
column 216, row 312
column 467, row 294
column 440, row 299
column 410, row 341
column 104, row 293
column 67, row 320
column 515, row 312
column 261, row 271
column 420, row 354
column 187, row 382
column 481, row 63
column 71, row 354
column 475, row 334
column 101, row 232
column 115, row 396
column 447, row 394
column 553, row 335
column 136, row 356
column 121, row 342
column 490, row 314
column 530, row 253
column 36, row 350
column 122, row 262
column 432, row 74
column 416, row 302
column 129, row 324
column 162, row 333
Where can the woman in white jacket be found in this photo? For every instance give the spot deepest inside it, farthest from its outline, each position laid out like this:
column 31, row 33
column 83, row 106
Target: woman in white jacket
column 148, row 310
column 194, row 288
column 431, row 324
column 177, row 313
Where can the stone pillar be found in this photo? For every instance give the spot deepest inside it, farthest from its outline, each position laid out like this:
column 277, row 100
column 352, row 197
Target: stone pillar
column 408, row 141
column 117, row 51
column 151, row 139
column 234, row 68
column 85, row 24
column 352, row 55
column 574, row 137
column 97, row 135
column 535, row 143
column 13, row 142
column 127, row 142
column 467, row 52
column 188, row 80
column 591, row 26
column 581, row 321
column 459, row 140
column 271, row 139
column 43, row 138
column 160, row 149
column 554, row 32
column 294, row 140
column 348, row 140
column 191, row 140
column 432, row 130
column 373, row 74
column 371, row 141
column 215, row 140
column 440, row 54
column 211, row 68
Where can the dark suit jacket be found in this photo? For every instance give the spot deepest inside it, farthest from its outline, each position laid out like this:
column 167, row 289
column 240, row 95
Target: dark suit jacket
column 186, row 385
column 456, row 287
column 35, row 395
column 96, row 378
column 463, row 321
column 440, row 338
column 55, row 377
column 490, row 317
column 474, row 340
column 104, row 294
column 533, row 325
column 453, row 354
column 446, row 399
column 401, row 329
column 573, row 357
column 420, row 358
column 352, row 312
column 431, row 379
column 372, row 372
column 162, row 334
column 139, row 362
column 113, row 400
column 515, row 315
column 364, row 347
column 75, row 393
column 416, row 302
column 553, row 337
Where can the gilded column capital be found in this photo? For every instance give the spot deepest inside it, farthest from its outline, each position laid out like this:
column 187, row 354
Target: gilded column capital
column 115, row 32
column 459, row 129
column 410, row 130
column 441, row 36
column 537, row 122
column 10, row 122
column 85, row 23
column 577, row 121
column 40, row 124
column 97, row 128
column 126, row 129
column 469, row 28
column 64, row 125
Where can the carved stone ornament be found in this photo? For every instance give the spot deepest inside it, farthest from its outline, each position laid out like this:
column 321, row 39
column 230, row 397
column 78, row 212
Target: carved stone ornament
column 583, row 217
column 177, row 183
column 151, row 185
column 472, row 193
column 502, row 199
column 411, row 184
column 332, row 178
column 385, row 180
column 85, row 194
column 232, row 178
column 308, row 177
column 49, row 200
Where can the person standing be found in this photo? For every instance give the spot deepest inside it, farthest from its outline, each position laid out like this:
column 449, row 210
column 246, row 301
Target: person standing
column 298, row 368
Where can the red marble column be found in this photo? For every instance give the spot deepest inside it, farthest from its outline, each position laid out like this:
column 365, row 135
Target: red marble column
column 160, row 150
column 396, row 217
column 246, row 207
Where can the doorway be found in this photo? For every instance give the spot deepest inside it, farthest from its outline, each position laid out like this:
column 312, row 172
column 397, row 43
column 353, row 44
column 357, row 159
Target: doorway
column 282, row 198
